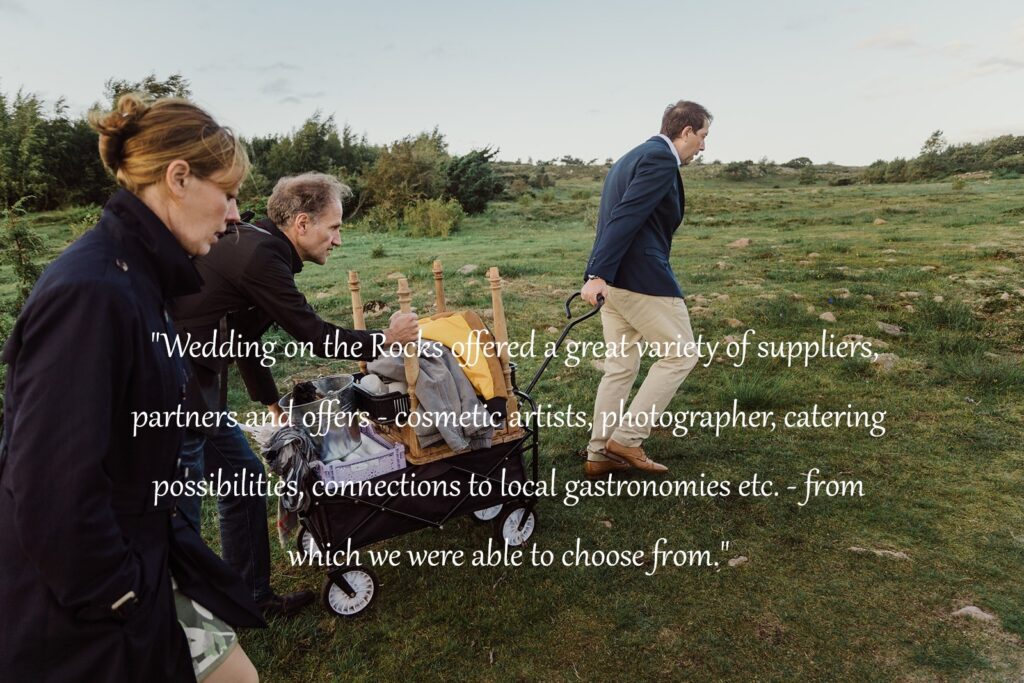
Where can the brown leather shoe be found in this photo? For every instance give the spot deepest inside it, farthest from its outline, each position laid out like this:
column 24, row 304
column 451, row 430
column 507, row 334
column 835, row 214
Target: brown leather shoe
column 286, row 605
column 634, row 456
column 599, row 468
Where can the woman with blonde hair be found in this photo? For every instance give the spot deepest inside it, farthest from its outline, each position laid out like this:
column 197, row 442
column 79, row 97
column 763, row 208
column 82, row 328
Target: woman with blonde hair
column 102, row 579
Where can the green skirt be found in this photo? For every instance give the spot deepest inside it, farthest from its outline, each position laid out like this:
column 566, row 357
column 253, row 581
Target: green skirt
column 210, row 640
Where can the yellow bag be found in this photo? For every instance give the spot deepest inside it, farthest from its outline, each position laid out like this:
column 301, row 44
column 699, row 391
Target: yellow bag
column 477, row 353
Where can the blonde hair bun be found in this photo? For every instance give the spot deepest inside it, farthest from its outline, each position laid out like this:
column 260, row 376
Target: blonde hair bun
column 117, row 126
column 140, row 137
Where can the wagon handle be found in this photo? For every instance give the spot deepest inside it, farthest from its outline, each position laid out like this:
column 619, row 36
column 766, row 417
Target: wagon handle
column 565, row 332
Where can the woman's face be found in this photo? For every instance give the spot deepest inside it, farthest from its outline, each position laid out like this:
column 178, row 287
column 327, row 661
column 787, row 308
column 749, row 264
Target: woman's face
column 202, row 213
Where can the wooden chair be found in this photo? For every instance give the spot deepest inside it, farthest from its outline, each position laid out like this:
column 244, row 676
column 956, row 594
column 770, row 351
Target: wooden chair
column 416, row 454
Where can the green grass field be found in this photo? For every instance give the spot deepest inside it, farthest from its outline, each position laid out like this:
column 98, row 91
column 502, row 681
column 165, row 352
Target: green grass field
column 943, row 486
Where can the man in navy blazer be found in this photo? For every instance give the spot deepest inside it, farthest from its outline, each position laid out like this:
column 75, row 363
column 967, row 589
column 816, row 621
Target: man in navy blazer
column 642, row 205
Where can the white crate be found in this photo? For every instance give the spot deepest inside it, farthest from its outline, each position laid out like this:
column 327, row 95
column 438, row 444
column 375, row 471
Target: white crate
column 368, row 468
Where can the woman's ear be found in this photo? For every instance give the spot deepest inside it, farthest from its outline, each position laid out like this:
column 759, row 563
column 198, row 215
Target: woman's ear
column 177, row 176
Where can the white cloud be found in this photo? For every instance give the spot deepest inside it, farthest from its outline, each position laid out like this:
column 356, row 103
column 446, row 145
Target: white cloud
column 955, row 48
column 891, row 39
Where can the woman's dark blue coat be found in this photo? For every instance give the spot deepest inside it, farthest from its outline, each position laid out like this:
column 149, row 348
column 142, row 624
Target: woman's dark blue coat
column 79, row 526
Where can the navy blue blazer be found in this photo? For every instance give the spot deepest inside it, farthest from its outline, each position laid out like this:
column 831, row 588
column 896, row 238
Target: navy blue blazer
column 642, row 205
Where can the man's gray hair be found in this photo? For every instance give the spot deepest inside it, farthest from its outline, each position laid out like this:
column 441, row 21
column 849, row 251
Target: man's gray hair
column 308, row 193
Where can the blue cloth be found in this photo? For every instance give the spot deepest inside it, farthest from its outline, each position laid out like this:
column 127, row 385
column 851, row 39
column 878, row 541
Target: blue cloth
column 243, row 518
column 642, row 205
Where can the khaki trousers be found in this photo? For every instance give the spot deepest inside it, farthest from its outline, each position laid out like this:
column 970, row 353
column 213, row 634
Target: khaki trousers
column 664, row 323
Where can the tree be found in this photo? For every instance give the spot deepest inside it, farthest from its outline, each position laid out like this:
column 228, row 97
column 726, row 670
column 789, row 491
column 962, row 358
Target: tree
column 472, row 181
column 408, row 170
column 22, row 150
column 152, row 87
column 799, row 162
column 934, row 144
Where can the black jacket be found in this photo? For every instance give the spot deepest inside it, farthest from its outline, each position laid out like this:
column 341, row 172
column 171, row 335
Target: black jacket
column 642, row 204
column 78, row 523
column 249, row 284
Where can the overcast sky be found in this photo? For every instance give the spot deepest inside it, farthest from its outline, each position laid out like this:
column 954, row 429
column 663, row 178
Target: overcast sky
column 848, row 82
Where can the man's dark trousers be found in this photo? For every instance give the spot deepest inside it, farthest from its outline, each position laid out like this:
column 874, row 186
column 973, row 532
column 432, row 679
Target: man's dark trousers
column 243, row 518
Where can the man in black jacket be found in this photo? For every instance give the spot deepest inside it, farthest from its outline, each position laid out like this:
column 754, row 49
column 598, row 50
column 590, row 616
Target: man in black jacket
column 249, row 284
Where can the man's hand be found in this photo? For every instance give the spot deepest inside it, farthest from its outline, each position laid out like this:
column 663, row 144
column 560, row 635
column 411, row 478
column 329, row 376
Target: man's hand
column 280, row 417
column 404, row 328
column 593, row 289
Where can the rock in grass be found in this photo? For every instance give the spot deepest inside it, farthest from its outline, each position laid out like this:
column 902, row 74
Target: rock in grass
column 828, row 317
column 597, row 365
column 880, row 221
column 722, row 265
column 552, row 330
column 892, row 554
column 910, row 295
column 814, row 254
column 741, row 243
column 938, row 298
column 875, row 343
column 395, row 275
column 885, row 362
column 468, row 268
column 738, row 561
column 733, row 322
column 890, row 329
column 928, row 269
column 974, row 613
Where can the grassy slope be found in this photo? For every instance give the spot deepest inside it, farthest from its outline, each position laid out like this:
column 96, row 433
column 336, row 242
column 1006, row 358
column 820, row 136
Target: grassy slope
column 943, row 485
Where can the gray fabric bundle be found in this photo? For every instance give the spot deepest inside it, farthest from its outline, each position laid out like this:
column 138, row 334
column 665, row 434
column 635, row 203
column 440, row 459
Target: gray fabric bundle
column 445, row 396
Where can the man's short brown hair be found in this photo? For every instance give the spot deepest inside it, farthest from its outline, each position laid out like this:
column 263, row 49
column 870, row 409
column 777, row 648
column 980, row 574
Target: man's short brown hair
column 682, row 114
column 309, row 193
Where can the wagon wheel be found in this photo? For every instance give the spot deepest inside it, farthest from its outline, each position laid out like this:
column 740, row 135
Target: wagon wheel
column 487, row 514
column 514, row 525
column 348, row 592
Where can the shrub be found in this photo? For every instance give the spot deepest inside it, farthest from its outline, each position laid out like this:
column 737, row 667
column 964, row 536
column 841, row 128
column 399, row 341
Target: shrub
column 541, row 180
column 411, row 169
column 518, row 187
column 807, row 175
column 842, row 181
column 381, row 218
column 737, row 170
column 896, row 171
column 20, row 248
column 875, row 173
column 958, row 184
column 378, row 251
column 547, row 196
column 471, row 180
column 1013, row 163
column 434, row 217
